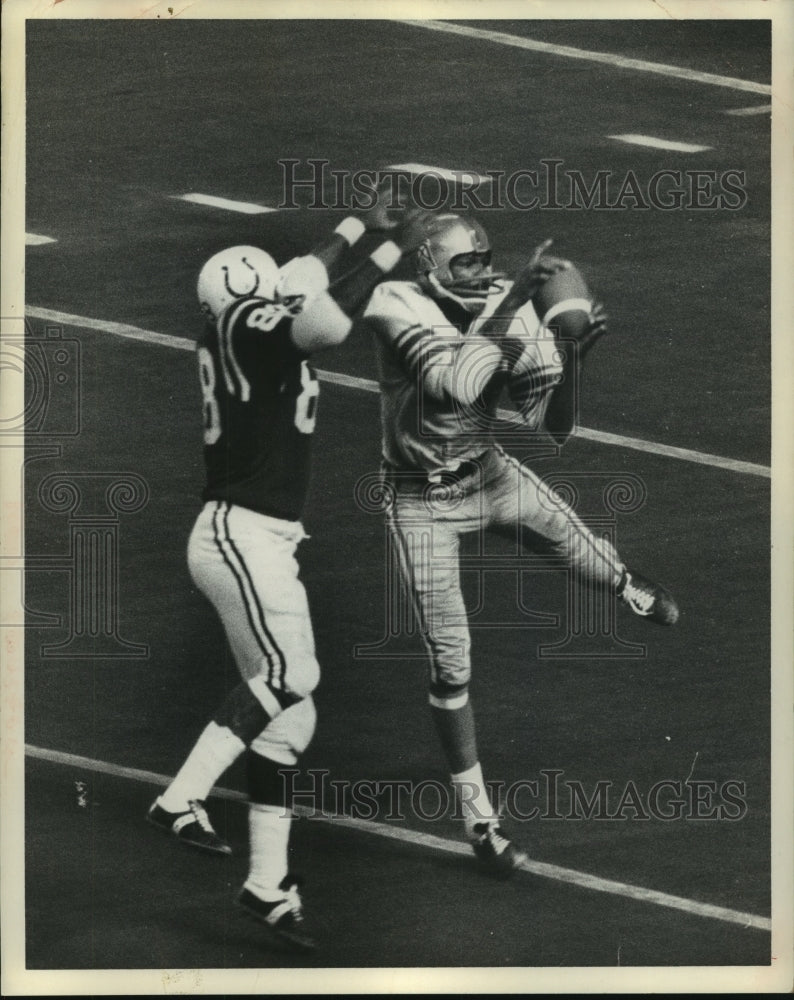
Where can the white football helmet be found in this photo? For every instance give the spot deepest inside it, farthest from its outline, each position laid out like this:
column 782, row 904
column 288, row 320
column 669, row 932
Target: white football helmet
column 233, row 274
column 446, row 237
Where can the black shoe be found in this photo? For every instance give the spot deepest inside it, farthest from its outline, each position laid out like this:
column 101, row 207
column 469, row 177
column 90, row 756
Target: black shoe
column 192, row 827
column 647, row 599
column 497, row 855
column 283, row 917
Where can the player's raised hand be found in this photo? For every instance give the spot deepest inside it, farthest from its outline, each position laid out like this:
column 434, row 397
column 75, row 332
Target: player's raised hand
column 377, row 219
column 405, row 224
column 411, row 230
column 536, row 272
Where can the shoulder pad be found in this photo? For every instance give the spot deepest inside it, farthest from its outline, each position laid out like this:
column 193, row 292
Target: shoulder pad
column 302, row 276
column 300, row 281
column 406, row 302
column 251, row 313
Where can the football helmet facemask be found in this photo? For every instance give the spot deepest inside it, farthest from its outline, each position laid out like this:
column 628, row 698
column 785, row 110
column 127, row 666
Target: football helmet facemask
column 448, row 237
column 233, row 274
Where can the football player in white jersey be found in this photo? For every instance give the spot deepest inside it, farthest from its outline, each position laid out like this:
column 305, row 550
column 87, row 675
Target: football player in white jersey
column 259, row 396
column 449, row 343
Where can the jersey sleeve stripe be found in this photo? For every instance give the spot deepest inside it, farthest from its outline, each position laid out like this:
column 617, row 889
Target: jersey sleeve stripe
column 567, row 305
column 420, row 349
column 409, row 332
column 227, row 350
column 415, row 351
column 220, row 329
column 537, row 376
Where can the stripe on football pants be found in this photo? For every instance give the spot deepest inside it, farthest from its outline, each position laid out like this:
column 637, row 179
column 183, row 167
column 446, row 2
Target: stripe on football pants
column 406, row 568
column 276, row 679
column 253, row 608
column 593, row 543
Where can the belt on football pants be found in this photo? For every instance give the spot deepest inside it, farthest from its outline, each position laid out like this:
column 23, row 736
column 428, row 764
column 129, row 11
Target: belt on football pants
column 422, row 477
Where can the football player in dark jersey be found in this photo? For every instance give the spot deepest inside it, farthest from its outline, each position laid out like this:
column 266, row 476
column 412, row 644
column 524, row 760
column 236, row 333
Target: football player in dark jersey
column 259, row 396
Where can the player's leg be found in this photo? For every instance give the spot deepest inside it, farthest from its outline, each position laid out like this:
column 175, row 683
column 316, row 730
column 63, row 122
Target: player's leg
column 427, row 547
column 270, row 892
column 246, row 566
column 517, row 496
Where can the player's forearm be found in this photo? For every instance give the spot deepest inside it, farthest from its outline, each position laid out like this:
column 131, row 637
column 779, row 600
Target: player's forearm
column 347, row 233
column 352, row 290
column 496, row 327
column 327, row 321
column 562, row 411
column 471, row 372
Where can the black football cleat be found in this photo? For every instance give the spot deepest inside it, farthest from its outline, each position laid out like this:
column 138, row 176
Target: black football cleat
column 191, row 827
column 497, row 855
column 282, row 918
column 647, row 599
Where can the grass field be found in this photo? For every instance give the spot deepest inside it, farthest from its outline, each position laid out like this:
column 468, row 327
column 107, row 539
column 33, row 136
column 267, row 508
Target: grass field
column 123, row 118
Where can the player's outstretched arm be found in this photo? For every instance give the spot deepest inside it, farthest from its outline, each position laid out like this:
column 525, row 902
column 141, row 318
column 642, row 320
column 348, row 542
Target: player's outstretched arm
column 327, row 320
column 352, row 228
column 528, row 282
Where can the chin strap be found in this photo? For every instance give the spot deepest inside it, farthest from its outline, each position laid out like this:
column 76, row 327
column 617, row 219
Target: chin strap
column 472, row 304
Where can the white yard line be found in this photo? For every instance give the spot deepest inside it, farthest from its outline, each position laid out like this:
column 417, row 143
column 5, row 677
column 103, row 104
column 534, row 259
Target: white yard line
column 671, row 451
column 582, row 880
column 758, row 109
column 606, row 58
column 108, row 326
column 653, row 143
column 246, row 207
column 368, row 385
column 457, row 176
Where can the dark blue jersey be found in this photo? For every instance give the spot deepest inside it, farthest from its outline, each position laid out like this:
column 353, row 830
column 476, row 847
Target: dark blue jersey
column 260, row 402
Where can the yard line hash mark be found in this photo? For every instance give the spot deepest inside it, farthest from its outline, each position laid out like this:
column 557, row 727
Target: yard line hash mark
column 444, row 173
column 758, row 109
column 368, row 385
column 654, row 143
column 246, row 207
column 542, row 869
column 605, row 58
column 32, row 240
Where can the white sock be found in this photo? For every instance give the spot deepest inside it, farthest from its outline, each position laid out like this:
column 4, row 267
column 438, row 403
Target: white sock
column 475, row 805
column 215, row 750
column 268, row 828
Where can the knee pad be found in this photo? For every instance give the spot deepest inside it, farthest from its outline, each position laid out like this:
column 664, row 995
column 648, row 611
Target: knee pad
column 302, row 678
column 287, row 736
column 243, row 713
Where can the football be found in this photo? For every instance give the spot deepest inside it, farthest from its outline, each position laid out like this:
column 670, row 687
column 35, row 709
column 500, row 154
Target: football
column 563, row 302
